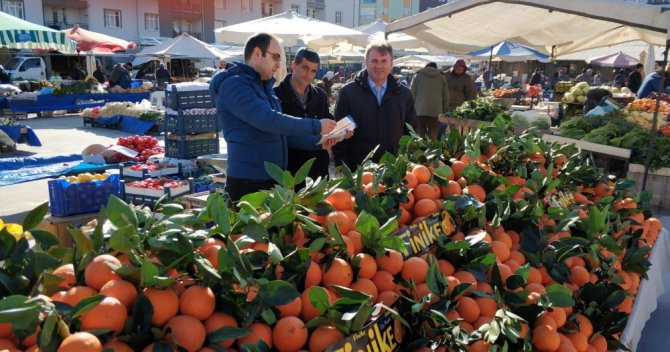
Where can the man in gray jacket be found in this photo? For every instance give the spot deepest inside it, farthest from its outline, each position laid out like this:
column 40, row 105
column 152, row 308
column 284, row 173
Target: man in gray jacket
column 430, row 92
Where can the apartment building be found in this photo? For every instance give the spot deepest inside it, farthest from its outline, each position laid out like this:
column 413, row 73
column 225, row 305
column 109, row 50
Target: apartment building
column 368, row 11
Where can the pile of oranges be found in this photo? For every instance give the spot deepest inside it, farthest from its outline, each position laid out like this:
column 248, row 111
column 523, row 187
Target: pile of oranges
column 195, row 314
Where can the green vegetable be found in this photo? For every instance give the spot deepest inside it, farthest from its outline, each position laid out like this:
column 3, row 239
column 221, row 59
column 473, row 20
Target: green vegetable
column 479, row 109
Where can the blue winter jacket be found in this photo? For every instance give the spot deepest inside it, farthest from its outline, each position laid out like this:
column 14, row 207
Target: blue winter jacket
column 254, row 128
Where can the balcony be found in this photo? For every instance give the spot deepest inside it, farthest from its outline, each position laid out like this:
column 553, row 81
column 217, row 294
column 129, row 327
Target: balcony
column 64, row 25
column 190, row 7
column 316, row 4
column 68, row 4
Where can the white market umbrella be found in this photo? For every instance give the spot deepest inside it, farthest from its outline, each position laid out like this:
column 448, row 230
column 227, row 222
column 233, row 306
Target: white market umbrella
column 183, row 46
column 619, row 59
column 511, row 52
column 376, row 32
column 293, row 29
column 422, row 60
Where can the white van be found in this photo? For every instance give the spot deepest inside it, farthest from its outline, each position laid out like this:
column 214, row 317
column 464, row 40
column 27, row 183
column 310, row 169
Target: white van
column 27, row 68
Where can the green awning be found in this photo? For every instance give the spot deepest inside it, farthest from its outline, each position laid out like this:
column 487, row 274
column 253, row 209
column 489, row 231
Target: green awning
column 16, row 33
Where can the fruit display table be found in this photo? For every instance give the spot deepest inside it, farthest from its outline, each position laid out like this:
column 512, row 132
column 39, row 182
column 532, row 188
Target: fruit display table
column 649, row 291
column 72, row 101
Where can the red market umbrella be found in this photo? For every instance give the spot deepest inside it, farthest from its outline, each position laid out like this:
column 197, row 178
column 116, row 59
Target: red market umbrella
column 97, row 42
column 615, row 60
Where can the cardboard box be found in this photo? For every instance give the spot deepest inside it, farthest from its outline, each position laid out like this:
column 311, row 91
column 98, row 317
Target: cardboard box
column 58, row 225
column 383, row 334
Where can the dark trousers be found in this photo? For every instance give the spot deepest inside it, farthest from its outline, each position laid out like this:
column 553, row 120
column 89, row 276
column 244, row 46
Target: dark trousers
column 428, row 125
column 238, row 187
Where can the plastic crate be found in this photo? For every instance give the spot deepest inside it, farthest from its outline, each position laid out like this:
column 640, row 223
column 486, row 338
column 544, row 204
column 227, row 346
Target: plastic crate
column 191, row 147
column 150, row 196
column 67, row 198
column 184, row 124
column 188, row 99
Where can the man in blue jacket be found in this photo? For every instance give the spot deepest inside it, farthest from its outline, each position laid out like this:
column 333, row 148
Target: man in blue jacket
column 254, row 128
column 380, row 106
column 652, row 81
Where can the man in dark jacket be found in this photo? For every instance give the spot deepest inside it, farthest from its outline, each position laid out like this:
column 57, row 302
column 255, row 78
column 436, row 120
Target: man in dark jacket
column 461, row 85
column 379, row 105
column 99, row 75
column 635, row 78
column 162, row 75
column 300, row 98
column 537, row 77
column 254, row 128
column 430, row 93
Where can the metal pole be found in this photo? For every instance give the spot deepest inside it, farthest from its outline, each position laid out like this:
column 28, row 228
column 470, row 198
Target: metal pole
column 654, row 132
column 490, row 69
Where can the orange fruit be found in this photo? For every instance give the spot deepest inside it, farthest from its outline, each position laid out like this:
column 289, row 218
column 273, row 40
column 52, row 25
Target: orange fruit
column 599, row 343
column 109, row 313
column 558, row 314
column 212, row 241
column 80, row 341
column 339, row 273
column 7, row 346
column 425, row 207
column 367, row 266
column 585, row 327
column 117, row 346
column 487, row 306
column 77, row 293
column 476, row 191
column 479, row 346
column 464, row 276
column 65, row 271
column 445, row 267
column 259, row 331
column 186, row 331
column 416, row 269
column 340, row 220
column 468, row 309
column 313, row 276
column 422, row 173
column 122, row 290
column 578, row 340
column 217, row 321
column 165, row 304
column 457, row 167
column 387, row 297
column 367, row 177
column 384, row 281
column 101, row 270
column 452, row 188
column 5, row 330
column 426, row 191
column 341, row 199
column 308, row 311
column 410, row 180
column 355, row 238
column 410, row 202
column 197, row 301
column 366, row 286
column 390, row 262
column 291, row 309
column 289, row 334
column 501, row 250
column 579, row 275
column 544, row 319
column 324, row 336
column 212, row 255
column 545, row 339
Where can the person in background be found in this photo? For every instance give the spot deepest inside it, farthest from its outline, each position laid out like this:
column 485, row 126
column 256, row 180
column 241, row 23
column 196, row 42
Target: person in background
column 380, row 106
column 98, row 74
column 140, row 73
column 255, row 129
column 461, row 85
column 327, row 83
column 78, row 73
column 563, row 75
column 162, row 75
column 300, row 98
column 635, row 78
column 222, row 64
column 4, row 76
column 586, row 76
column 537, row 77
column 431, row 95
column 619, row 79
column 652, row 81
column 598, row 79
column 554, row 80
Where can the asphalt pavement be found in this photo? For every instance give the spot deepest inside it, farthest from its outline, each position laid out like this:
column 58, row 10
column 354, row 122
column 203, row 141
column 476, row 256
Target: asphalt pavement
column 64, row 135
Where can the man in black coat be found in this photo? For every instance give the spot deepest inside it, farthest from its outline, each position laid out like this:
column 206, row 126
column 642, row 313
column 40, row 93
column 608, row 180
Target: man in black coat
column 635, row 78
column 380, row 106
column 301, row 99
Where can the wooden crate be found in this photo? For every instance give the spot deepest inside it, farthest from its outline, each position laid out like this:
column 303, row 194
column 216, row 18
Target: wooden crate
column 195, row 200
column 658, row 184
column 463, row 126
column 58, row 225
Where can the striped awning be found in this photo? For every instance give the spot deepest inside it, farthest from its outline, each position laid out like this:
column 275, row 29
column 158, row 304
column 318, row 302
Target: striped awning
column 16, row 33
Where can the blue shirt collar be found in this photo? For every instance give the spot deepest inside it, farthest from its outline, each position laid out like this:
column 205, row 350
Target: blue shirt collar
column 373, row 85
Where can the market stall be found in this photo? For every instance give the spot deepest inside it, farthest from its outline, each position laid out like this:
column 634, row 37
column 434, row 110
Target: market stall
column 50, row 102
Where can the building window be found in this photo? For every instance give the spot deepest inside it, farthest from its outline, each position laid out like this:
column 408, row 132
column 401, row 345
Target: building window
column 338, row 16
column 219, row 24
column 295, row 8
column 220, row 4
column 59, row 15
column 246, row 6
column 269, row 10
column 151, row 21
column 112, row 18
column 13, row 7
column 368, row 12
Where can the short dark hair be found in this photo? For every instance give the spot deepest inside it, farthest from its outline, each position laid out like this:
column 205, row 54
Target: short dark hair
column 307, row 54
column 639, row 66
column 259, row 40
column 431, row 64
column 379, row 46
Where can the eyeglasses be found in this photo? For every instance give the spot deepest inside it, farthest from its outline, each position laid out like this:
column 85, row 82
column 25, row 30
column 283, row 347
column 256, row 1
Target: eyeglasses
column 275, row 56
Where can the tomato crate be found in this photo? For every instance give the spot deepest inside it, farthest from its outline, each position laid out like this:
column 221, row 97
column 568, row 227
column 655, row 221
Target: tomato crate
column 67, row 198
column 162, row 170
column 191, row 146
column 181, row 123
column 188, row 99
column 136, row 195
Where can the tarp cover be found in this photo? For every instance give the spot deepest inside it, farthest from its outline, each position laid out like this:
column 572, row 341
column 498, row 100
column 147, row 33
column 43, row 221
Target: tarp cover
column 97, row 42
column 461, row 26
column 16, row 33
column 17, row 170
